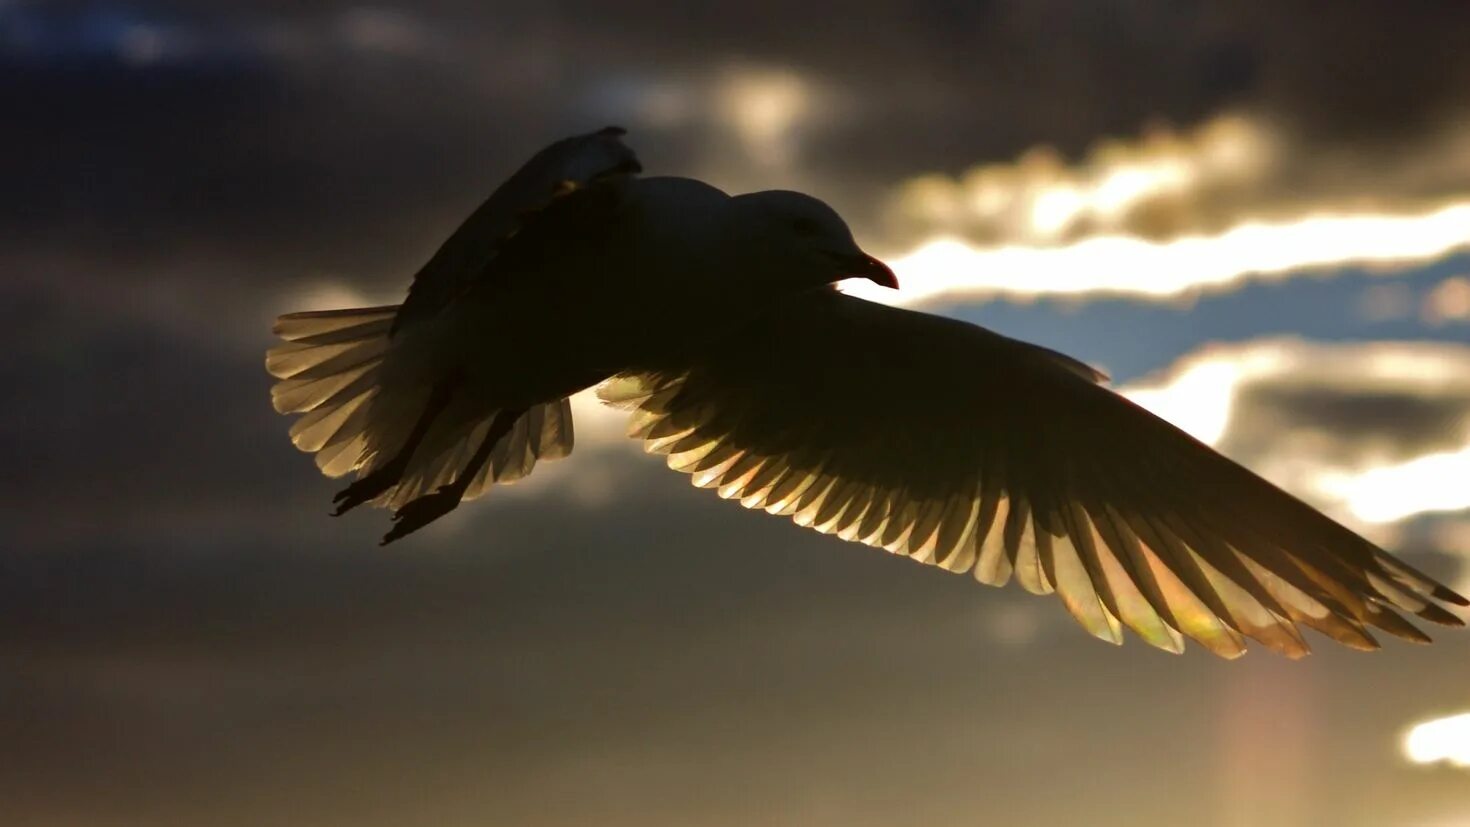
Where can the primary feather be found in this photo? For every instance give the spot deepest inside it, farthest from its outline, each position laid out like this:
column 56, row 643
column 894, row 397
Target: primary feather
column 960, row 448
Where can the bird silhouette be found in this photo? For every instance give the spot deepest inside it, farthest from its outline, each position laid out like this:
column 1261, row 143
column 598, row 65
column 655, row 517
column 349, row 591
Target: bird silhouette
column 715, row 320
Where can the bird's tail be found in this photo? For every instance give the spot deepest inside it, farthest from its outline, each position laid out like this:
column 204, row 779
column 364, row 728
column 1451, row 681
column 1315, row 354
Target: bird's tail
column 329, row 371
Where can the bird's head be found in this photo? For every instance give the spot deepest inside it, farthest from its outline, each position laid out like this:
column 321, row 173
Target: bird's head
column 811, row 239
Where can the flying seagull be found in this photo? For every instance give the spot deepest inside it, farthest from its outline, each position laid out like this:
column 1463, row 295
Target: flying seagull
column 714, row 319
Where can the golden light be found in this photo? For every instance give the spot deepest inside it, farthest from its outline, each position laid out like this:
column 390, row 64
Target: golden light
column 1363, row 478
column 1123, row 187
column 1444, row 740
column 1039, row 198
column 1055, row 208
column 1198, row 400
column 764, row 107
column 1448, row 302
column 951, row 269
column 1156, row 218
column 330, row 293
column 1387, row 494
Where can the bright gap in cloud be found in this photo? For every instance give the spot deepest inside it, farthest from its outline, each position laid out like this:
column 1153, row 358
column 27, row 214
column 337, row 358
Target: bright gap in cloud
column 1172, row 213
column 331, row 293
column 1114, row 265
column 1383, row 476
column 1435, row 482
column 764, row 108
column 1160, row 181
column 1448, row 302
column 1440, row 740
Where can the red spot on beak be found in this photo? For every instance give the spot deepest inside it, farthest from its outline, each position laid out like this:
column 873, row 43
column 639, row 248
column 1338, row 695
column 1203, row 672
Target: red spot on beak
column 875, row 271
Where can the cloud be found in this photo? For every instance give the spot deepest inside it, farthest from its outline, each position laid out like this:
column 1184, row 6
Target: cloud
column 1445, row 739
column 1374, row 432
column 1386, row 302
column 1448, row 302
column 248, row 147
column 1433, row 482
column 1172, row 215
column 950, row 270
column 1154, row 187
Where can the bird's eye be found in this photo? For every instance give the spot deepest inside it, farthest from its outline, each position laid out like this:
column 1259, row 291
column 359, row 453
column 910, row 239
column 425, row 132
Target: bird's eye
column 805, row 226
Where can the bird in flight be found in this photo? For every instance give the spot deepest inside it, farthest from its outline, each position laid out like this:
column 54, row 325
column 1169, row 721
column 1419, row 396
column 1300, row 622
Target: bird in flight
column 715, row 320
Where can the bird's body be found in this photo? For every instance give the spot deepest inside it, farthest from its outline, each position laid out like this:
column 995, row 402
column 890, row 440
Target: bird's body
column 591, row 291
column 712, row 318
column 543, row 324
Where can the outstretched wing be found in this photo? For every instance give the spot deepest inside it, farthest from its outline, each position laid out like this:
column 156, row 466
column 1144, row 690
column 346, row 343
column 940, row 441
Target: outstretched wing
column 568, row 164
column 964, row 449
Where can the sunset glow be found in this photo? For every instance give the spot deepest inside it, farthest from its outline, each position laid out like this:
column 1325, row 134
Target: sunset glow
column 293, row 292
column 1386, row 494
column 1440, row 740
column 1160, row 180
column 1164, row 215
column 947, row 269
column 1370, row 481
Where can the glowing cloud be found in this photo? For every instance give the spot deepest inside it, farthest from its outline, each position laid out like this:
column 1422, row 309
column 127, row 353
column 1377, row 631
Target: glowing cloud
column 1150, row 185
column 1170, row 215
column 1448, row 302
column 329, row 293
column 1255, row 400
column 1440, row 740
column 1435, row 482
column 764, row 107
column 1200, row 394
column 952, row 269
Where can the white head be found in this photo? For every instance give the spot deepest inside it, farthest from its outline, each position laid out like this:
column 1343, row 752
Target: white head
column 810, row 238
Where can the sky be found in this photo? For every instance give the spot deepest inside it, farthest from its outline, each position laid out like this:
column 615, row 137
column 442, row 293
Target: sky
column 1255, row 216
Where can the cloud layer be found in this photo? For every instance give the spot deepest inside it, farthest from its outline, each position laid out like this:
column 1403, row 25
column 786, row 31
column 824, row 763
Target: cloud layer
column 1375, row 433
column 1170, row 216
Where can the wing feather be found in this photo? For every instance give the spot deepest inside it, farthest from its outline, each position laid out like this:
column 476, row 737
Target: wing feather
column 462, row 260
column 965, row 450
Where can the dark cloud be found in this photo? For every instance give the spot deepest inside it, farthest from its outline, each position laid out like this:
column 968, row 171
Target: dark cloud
column 1373, row 402
column 110, row 413
column 1369, row 72
column 292, row 138
column 1363, row 422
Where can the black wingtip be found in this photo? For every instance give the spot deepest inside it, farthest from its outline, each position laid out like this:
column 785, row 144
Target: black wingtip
column 1437, row 615
column 1449, row 595
column 398, row 532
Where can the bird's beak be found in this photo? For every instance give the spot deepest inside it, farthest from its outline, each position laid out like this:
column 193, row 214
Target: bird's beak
column 866, row 267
